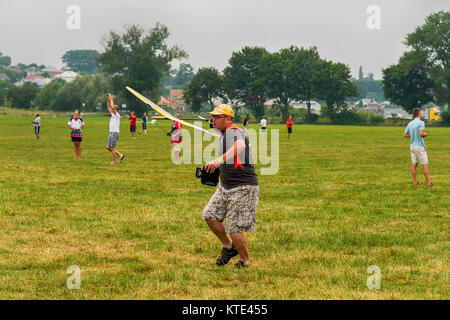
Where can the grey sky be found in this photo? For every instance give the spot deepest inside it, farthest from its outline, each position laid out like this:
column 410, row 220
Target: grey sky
column 210, row 30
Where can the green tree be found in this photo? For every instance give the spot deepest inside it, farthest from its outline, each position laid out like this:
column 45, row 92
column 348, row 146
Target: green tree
column 138, row 60
column 304, row 68
column 245, row 81
column 408, row 83
column 369, row 89
column 80, row 60
column 22, row 97
column 69, row 95
column 334, row 85
column 433, row 39
column 205, row 86
column 361, row 73
column 48, row 93
column 183, row 75
column 4, row 85
column 4, row 60
column 280, row 80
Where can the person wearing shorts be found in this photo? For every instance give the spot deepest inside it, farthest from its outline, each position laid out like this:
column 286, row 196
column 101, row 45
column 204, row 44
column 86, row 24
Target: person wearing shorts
column 236, row 198
column 114, row 130
column 263, row 124
column 132, row 117
column 75, row 124
column 289, row 125
column 144, row 124
column 175, row 139
column 37, row 125
column 415, row 130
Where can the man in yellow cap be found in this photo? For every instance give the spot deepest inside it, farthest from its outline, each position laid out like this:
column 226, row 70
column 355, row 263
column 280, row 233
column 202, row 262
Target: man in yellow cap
column 236, row 197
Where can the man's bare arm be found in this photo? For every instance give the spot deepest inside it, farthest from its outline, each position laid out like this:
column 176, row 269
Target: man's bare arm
column 110, row 103
column 423, row 133
column 406, row 135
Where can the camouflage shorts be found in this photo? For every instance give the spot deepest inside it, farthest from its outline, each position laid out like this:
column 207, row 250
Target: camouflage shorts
column 237, row 206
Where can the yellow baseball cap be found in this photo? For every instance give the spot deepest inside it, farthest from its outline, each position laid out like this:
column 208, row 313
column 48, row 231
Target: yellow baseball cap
column 223, row 109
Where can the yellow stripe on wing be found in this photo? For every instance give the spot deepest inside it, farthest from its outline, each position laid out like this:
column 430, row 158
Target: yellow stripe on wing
column 165, row 113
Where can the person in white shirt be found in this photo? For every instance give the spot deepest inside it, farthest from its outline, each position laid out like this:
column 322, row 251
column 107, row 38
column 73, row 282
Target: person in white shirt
column 114, row 129
column 37, row 125
column 263, row 124
column 75, row 124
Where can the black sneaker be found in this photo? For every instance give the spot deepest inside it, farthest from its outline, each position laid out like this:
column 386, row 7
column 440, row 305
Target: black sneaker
column 226, row 255
column 241, row 265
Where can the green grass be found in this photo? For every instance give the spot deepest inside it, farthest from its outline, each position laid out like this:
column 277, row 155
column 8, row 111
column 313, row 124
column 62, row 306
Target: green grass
column 342, row 201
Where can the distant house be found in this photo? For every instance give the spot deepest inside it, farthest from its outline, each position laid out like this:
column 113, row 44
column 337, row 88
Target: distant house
column 176, row 100
column 33, row 76
column 15, row 69
column 396, row 114
column 52, row 71
column 68, row 76
column 315, row 106
column 369, row 105
column 3, row 76
column 32, row 71
column 37, row 79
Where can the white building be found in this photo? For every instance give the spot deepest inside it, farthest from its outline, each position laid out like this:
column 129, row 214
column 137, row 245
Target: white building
column 68, row 76
column 315, row 106
column 396, row 113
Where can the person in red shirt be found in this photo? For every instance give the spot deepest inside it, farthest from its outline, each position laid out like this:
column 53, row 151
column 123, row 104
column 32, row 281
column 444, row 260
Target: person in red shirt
column 289, row 125
column 132, row 118
column 175, row 139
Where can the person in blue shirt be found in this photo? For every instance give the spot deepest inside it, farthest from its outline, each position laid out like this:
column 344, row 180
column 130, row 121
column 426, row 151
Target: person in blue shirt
column 415, row 130
column 144, row 124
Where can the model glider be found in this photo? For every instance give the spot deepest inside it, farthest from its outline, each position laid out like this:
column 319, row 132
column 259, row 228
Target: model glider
column 164, row 118
column 164, row 113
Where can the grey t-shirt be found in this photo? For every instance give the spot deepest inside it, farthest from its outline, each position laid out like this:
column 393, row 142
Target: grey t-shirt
column 239, row 171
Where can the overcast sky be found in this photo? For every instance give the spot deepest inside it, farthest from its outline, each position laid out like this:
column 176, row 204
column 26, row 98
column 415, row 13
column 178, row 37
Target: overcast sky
column 210, row 30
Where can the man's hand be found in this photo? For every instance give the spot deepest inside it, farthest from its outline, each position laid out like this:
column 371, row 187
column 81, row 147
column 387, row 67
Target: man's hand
column 211, row 166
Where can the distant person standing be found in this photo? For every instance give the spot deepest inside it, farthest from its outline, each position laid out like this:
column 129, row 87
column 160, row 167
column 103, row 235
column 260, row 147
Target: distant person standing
column 245, row 124
column 114, row 129
column 176, row 138
column 415, row 130
column 132, row 117
column 37, row 125
column 289, row 125
column 263, row 124
column 144, row 124
column 75, row 124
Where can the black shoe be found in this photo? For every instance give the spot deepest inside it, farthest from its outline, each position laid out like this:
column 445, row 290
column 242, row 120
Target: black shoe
column 226, row 255
column 241, row 265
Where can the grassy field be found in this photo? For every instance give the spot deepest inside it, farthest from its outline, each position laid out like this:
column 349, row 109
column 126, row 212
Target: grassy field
column 342, row 201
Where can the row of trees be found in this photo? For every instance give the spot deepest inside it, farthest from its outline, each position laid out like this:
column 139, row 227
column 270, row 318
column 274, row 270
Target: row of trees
column 142, row 59
column 135, row 58
column 254, row 75
column 85, row 92
column 422, row 74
